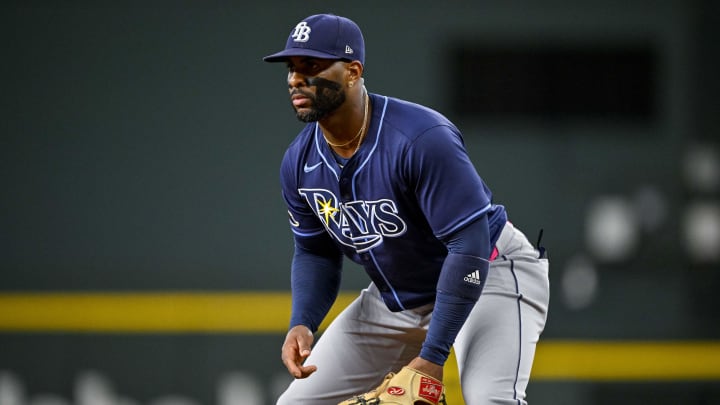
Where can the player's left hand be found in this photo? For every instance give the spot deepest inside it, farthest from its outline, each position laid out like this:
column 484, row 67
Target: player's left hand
column 426, row 367
column 296, row 349
column 407, row 387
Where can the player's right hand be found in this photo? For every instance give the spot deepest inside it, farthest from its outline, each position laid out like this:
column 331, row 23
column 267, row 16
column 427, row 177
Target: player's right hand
column 296, row 349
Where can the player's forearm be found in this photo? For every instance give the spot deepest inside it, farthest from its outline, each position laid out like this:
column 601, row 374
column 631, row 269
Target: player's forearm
column 315, row 281
column 461, row 282
column 448, row 317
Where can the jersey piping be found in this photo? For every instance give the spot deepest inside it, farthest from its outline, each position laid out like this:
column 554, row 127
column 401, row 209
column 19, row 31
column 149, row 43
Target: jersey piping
column 354, row 178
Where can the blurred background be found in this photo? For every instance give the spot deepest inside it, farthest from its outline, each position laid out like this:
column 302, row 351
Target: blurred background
column 144, row 246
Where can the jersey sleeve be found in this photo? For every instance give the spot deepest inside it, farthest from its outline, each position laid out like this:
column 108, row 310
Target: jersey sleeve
column 317, row 261
column 449, row 190
column 467, row 253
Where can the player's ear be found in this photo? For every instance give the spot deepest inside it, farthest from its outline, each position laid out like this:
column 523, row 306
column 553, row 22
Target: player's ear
column 354, row 71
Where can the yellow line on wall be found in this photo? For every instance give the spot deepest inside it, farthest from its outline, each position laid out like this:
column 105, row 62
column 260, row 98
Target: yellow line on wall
column 152, row 312
column 627, row 360
column 268, row 312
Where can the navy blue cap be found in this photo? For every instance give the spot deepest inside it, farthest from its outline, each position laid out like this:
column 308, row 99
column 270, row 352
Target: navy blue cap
column 325, row 36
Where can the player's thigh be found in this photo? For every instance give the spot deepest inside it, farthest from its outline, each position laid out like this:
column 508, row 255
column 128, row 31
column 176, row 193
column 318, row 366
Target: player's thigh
column 496, row 346
column 352, row 356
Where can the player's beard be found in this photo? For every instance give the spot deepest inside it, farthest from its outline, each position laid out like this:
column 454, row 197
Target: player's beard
column 328, row 97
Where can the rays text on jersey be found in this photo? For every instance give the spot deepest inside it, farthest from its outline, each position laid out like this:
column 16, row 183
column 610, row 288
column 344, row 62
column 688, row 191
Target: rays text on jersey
column 359, row 224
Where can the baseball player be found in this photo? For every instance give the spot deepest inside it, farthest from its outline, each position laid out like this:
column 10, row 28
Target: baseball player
column 388, row 184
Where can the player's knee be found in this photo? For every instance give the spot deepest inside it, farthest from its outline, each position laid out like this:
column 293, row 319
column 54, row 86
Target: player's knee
column 483, row 399
column 293, row 398
column 286, row 399
column 498, row 393
column 283, row 400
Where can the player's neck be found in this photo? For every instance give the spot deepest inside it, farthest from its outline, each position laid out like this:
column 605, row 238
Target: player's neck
column 344, row 135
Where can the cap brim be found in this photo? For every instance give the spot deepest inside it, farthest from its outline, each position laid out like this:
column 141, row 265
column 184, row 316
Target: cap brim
column 282, row 56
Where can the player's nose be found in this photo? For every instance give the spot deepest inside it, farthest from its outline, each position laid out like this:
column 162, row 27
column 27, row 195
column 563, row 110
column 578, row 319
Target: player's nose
column 295, row 79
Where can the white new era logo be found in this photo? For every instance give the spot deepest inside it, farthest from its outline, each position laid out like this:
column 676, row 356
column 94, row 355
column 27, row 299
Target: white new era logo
column 473, row 277
column 349, row 50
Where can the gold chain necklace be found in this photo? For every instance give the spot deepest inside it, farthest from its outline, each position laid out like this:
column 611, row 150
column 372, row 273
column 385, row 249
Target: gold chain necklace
column 360, row 132
column 367, row 102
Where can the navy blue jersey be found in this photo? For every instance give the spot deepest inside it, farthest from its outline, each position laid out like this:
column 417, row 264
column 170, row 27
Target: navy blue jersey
column 389, row 208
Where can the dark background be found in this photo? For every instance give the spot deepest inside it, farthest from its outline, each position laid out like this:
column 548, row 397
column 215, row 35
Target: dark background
column 140, row 144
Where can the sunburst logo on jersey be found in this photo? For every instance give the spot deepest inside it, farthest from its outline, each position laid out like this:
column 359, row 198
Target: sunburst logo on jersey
column 327, row 210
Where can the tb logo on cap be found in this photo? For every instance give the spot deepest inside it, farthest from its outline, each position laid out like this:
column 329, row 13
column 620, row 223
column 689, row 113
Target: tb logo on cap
column 301, row 33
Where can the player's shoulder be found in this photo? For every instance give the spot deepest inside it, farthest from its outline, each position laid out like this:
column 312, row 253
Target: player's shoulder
column 300, row 148
column 306, row 133
column 413, row 119
column 301, row 140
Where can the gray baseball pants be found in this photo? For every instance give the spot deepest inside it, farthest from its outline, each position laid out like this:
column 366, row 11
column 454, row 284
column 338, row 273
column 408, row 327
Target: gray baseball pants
column 494, row 349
